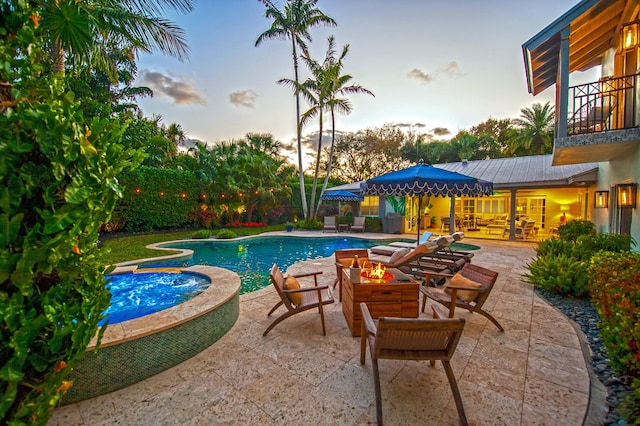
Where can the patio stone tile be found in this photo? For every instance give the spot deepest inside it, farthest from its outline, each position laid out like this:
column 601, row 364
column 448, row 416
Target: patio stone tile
column 533, row 373
column 547, row 403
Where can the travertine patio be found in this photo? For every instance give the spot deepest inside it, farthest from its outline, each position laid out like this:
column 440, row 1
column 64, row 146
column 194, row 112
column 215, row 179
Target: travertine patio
column 532, row 374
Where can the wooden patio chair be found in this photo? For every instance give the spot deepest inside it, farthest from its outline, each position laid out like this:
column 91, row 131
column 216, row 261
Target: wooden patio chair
column 330, row 224
column 411, row 339
column 463, row 296
column 300, row 299
column 523, row 230
column 358, row 224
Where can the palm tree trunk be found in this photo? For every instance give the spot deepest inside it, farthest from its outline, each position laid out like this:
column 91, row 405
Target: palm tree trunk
column 317, row 171
column 330, row 162
column 57, row 54
column 303, row 195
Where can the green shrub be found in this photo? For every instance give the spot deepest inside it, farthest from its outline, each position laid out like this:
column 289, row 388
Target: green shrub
column 59, row 184
column 373, row 224
column 571, row 230
column 156, row 198
column 202, row 233
column 560, row 274
column 588, row 245
column 226, row 234
column 554, row 247
column 615, row 291
column 311, row 224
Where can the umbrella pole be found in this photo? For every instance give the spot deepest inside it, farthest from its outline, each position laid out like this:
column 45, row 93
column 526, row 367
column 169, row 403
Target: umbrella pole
column 418, row 220
column 452, row 215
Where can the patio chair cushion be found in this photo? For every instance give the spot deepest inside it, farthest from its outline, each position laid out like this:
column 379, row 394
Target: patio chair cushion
column 399, row 254
column 461, row 281
column 291, row 283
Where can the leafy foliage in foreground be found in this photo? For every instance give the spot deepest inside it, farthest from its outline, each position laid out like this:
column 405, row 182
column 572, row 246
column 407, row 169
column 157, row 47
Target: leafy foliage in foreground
column 615, row 291
column 562, row 263
column 58, row 174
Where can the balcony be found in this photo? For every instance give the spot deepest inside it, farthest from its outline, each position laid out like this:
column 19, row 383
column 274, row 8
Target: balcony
column 608, row 104
column 602, row 123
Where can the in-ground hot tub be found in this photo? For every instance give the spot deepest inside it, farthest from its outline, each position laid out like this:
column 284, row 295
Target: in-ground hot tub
column 134, row 350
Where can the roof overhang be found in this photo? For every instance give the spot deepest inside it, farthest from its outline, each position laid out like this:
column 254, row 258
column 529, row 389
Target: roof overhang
column 593, row 26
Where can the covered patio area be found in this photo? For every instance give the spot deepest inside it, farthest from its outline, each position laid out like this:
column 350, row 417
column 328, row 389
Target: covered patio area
column 533, row 373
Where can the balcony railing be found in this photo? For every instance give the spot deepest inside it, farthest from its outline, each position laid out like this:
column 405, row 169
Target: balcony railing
column 608, row 104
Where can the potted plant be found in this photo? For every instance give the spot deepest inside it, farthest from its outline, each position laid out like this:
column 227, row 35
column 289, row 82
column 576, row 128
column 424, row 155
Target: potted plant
column 289, row 226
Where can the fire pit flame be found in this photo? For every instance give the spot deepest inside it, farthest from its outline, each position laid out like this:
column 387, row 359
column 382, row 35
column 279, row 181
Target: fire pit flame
column 377, row 272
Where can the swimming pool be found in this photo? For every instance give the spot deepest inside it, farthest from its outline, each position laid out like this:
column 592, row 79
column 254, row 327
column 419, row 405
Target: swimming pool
column 140, row 293
column 252, row 258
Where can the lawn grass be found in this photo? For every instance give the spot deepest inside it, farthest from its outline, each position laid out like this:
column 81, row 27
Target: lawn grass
column 133, row 247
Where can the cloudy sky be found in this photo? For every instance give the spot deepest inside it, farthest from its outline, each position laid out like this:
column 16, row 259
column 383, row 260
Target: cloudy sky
column 434, row 66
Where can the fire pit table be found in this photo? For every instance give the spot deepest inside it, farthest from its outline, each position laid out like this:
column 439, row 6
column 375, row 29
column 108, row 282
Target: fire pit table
column 393, row 297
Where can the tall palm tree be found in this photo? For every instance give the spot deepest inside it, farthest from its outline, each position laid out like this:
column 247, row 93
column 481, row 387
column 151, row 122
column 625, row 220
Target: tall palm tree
column 323, row 92
column 338, row 85
column 293, row 23
column 78, row 29
column 536, row 128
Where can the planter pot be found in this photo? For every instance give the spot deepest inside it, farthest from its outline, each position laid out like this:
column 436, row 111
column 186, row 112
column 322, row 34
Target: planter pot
column 289, row 228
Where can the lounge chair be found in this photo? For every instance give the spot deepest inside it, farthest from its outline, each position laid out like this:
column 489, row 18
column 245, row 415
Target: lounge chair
column 423, row 239
column 330, row 224
column 523, row 230
column 463, row 296
column 298, row 299
column 413, row 261
column 411, row 339
column 358, row 224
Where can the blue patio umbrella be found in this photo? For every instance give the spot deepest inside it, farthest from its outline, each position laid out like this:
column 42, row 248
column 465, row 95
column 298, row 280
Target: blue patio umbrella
column 340, row 196
column 421, row 179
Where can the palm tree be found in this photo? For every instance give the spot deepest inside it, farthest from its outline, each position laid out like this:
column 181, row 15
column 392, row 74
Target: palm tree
column 293, row 23
column 536, row 128
column 338, row 85
column 321, row 91
column 80, row 28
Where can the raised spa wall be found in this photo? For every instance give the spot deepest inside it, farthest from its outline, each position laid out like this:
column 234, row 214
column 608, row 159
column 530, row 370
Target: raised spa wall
column 134, row 350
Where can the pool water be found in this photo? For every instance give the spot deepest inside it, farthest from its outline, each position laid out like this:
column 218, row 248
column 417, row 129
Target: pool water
column 252, row 258
column 134, row 295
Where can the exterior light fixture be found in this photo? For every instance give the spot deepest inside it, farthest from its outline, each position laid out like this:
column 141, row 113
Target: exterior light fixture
column 627, row 194
column 564, row 209
column 630, row 35
column 602, row 199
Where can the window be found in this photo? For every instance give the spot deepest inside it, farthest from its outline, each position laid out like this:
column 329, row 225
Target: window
column 370, row 206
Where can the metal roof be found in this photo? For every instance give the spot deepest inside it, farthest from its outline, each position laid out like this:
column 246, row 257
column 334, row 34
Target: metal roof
column 535, row 171
column 593, row 25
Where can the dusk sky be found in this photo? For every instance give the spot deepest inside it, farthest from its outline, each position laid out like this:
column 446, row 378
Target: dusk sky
column 431, row 64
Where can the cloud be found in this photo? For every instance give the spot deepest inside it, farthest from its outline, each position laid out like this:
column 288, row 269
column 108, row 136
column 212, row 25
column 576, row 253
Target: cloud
column 419, row 75
column 450, row 69
column 440, row 131
column 410, row 125
column 244, row 98
column 172, row 86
